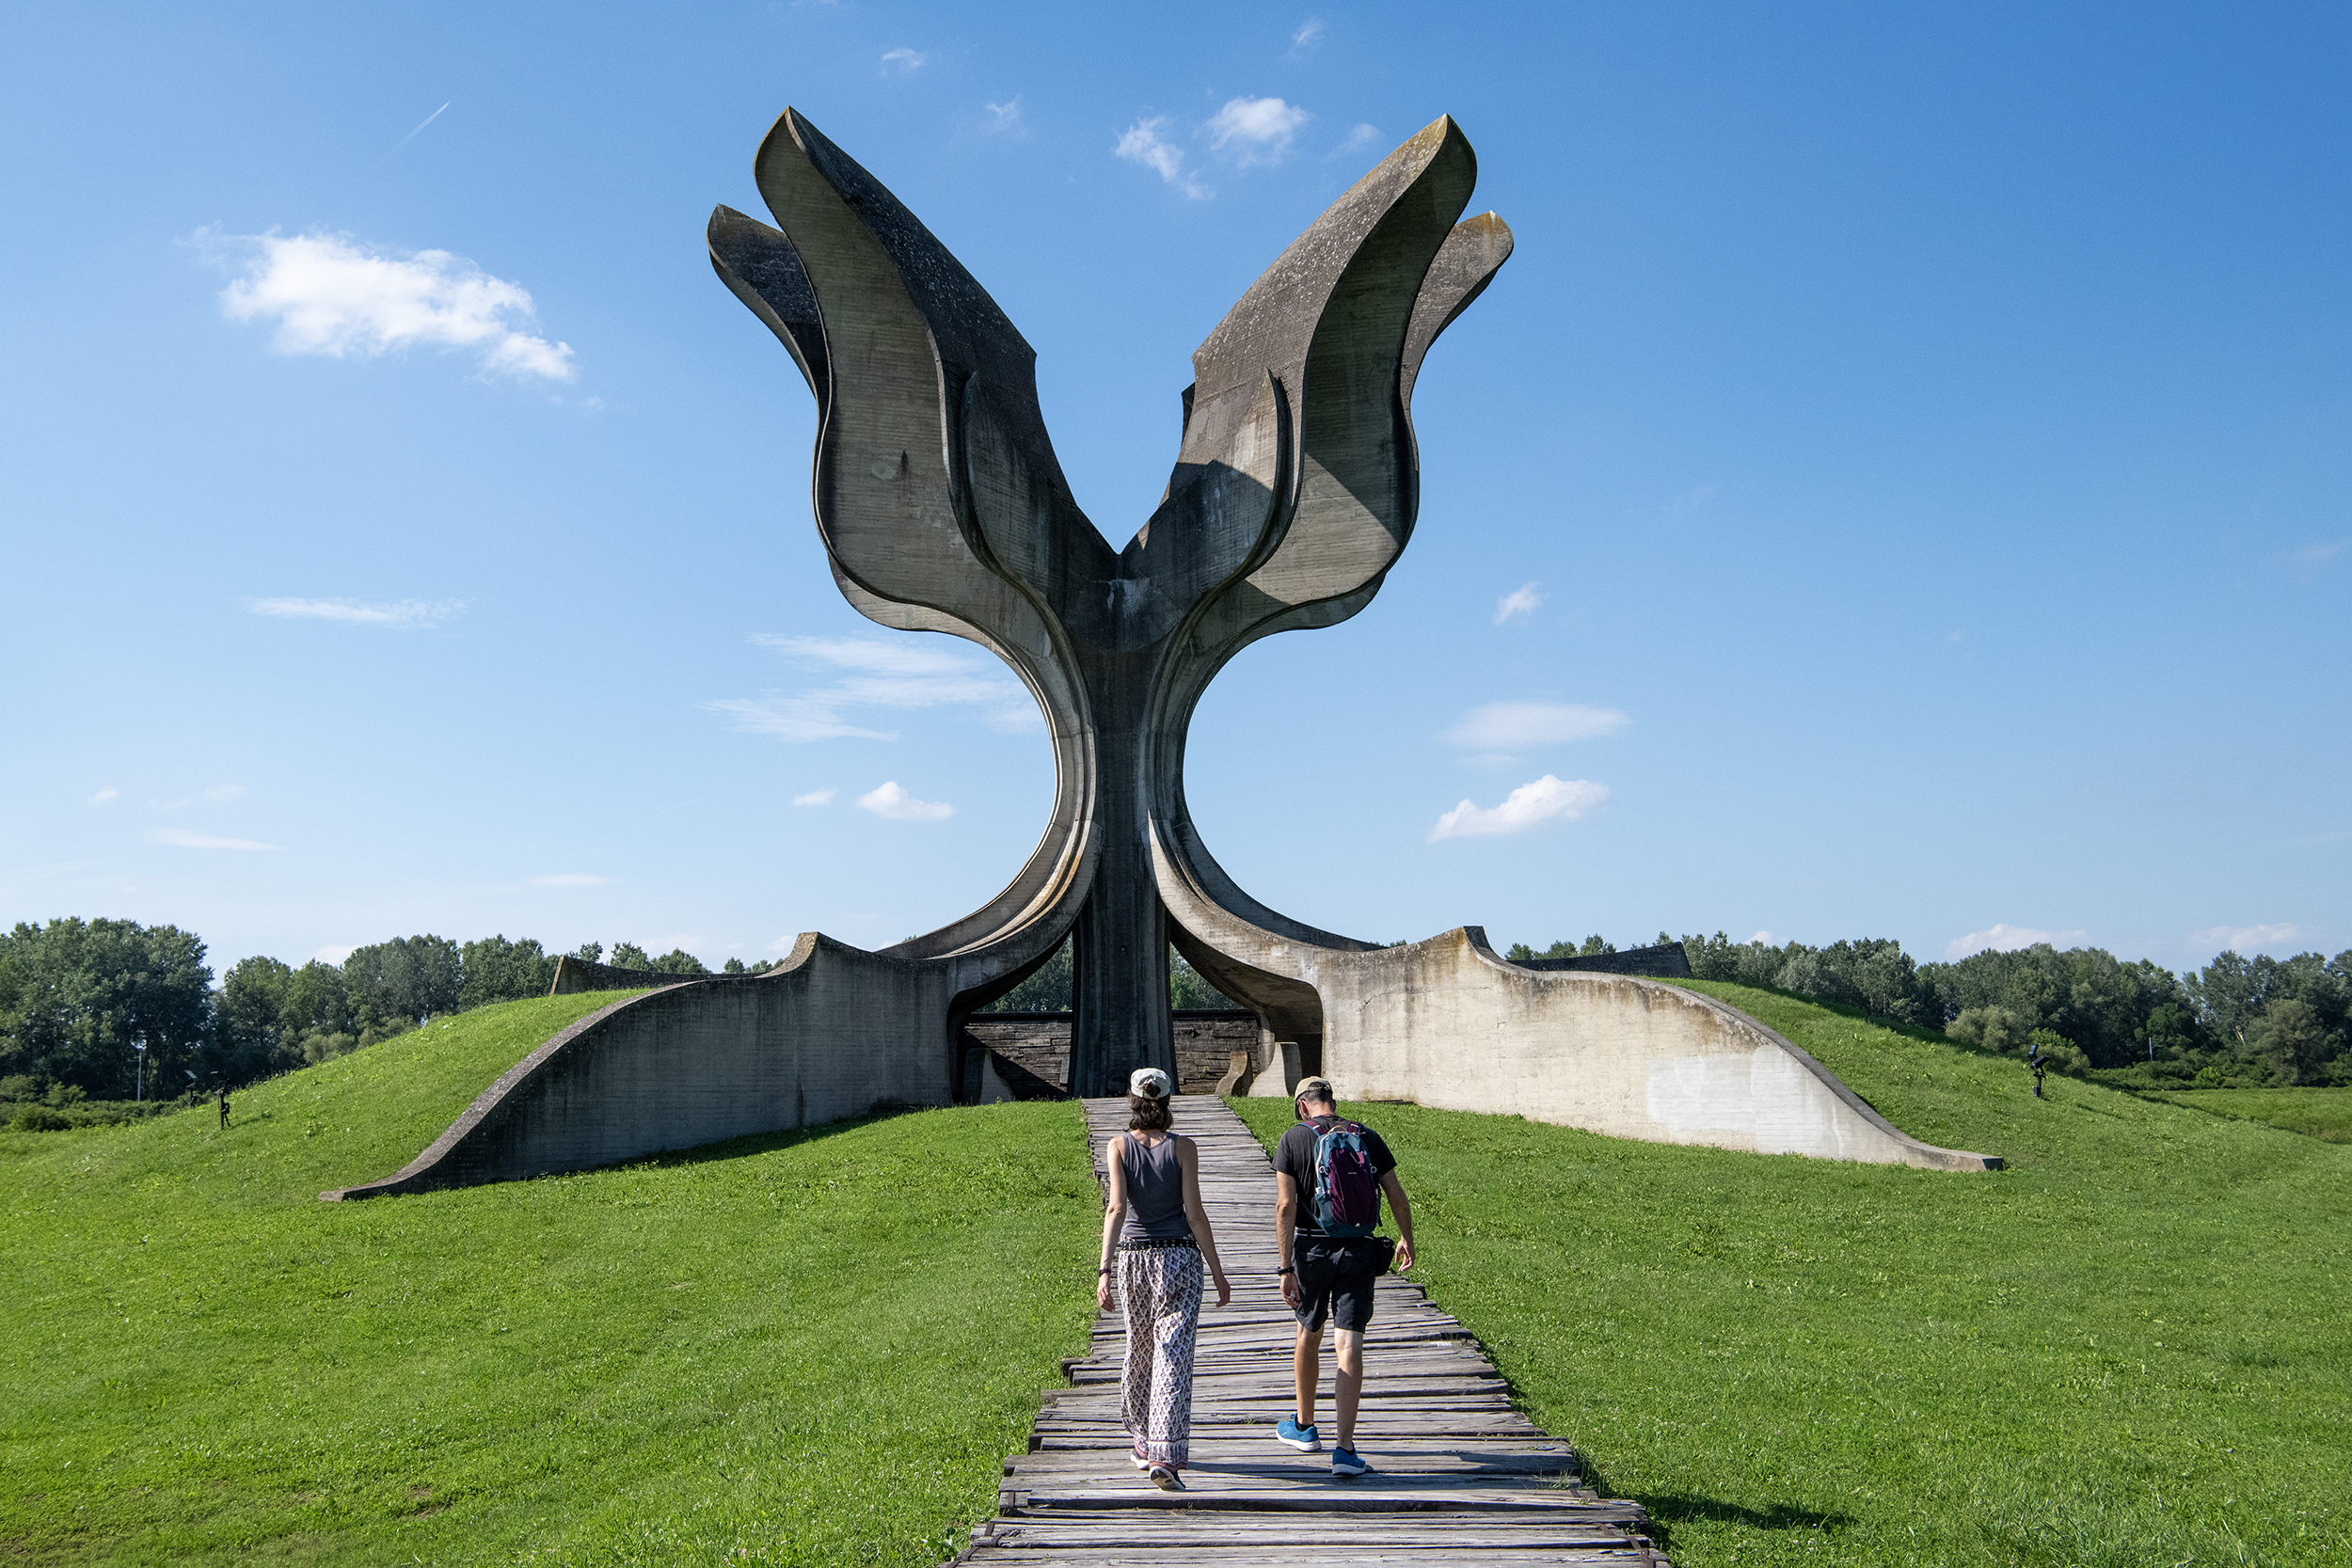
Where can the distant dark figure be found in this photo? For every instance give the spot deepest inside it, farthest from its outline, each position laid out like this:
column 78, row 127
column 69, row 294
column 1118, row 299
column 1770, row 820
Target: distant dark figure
column 2040, row 1068
column 224, row 1106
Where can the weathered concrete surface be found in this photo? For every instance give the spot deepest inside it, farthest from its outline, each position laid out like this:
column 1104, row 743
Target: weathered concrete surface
column 834, row 1033
column 1280, row 1074
column 1447, row 1022
column 942, row 507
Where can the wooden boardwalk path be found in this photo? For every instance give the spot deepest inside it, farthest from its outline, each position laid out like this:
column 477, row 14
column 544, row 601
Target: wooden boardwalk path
column 1457, row 1476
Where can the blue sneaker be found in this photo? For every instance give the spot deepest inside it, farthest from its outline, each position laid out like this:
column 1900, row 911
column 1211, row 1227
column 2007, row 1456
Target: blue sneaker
column 1346, row 1462
column 1305, row 1439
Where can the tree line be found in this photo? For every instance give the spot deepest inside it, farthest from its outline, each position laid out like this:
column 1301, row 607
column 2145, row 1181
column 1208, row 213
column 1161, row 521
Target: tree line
column 2238, row 1020
column 102, row 1009
column 110, row 1009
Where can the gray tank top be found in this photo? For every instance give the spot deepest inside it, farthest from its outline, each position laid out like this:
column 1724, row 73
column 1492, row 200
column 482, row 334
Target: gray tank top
column 1155, row 1191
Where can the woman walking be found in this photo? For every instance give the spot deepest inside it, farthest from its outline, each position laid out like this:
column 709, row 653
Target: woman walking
column 1158, row 1235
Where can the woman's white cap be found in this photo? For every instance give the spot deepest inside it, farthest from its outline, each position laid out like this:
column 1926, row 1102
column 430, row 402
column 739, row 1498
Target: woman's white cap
column 1150, row 1082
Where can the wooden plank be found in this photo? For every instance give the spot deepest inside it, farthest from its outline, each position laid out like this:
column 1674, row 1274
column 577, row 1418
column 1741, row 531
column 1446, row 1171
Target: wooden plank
column 1459, row 1476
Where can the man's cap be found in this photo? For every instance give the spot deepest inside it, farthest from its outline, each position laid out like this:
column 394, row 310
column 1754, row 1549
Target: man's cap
column 1316, row 1088
column 1151, row 1082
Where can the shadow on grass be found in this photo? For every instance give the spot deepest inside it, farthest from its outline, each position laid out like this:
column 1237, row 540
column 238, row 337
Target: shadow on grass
column 1670, row 1509
column 757, row 1143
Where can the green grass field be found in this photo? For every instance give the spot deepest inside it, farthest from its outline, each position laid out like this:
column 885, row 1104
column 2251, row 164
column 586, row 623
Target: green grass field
column 807, row 1348
column 2129, row 1349
column 2314, row 1113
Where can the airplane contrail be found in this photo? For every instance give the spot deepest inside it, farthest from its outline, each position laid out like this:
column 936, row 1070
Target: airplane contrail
column 421, row 125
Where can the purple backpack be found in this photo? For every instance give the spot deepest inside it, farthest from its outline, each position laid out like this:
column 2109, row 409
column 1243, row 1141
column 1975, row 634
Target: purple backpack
column 1348, row 1197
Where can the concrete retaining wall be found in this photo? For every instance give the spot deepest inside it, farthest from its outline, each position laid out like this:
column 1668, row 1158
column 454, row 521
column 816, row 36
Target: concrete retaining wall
column 1039, row 1043
column 1446, row 1022
column 835, row 1033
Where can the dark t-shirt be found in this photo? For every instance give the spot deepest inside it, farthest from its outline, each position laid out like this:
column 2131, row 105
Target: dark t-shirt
column 1295, row 1157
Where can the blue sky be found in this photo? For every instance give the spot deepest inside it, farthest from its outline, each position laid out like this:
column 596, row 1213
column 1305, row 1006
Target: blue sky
column 1899, row 486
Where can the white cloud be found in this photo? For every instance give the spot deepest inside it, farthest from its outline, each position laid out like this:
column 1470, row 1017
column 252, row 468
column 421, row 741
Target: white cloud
column 223, row 792
column 1310, row 34
column 571, row 879
column 1531, row 805
column 894, row 657
column 400, row 614
column 816, row 797
column 877, row 673
column 1141, row 143
column 331, row 295
column 687, row 941
column 1355, row 140
column 2009, row 939
column 109, row 793
column 1522, row 600
column 336, row 954
column 793, row 719
column 2244, row 939
column 903, row 62
column 2319, row 555
column 890, row 801
column 189, row 839
column 1766, row 938
column 1513, row 726
column 1003, row 120
column 1258, row 130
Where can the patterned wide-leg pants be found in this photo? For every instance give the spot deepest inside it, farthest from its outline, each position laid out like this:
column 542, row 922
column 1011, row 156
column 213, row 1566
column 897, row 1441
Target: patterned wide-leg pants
column 1160, row 1288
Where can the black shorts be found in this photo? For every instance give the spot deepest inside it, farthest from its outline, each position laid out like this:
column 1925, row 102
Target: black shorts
column 1336, row 1278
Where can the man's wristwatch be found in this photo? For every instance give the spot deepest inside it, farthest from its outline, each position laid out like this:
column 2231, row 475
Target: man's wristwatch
column 1286, row 1269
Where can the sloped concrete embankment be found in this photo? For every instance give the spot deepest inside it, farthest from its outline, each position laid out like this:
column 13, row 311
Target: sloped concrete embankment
column 835, row 1033
column 1446, row 1022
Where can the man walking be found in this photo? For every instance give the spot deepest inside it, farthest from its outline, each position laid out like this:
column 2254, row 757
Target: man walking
column 1329, row 1175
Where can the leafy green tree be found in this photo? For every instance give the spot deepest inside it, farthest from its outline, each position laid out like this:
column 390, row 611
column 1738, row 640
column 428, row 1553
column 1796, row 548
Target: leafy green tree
column 1993, row 1028
column 250, row 1039
column 408, row 978
column 2288, row 1039
column 1047, row 989
column 628, row 954
column 315, row 1002
column 1188, row 990
column 497, row 970
column 2171, row 1032
column 76, row 994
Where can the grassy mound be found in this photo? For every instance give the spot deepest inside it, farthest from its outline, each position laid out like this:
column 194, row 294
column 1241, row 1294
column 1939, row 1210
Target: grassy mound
column 2314, row 1113
column 803, row 1348
column 2128, row 1349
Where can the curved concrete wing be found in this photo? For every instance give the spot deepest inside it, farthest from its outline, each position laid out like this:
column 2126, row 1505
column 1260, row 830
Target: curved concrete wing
column 1446, row 1022
column 834, row 1033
